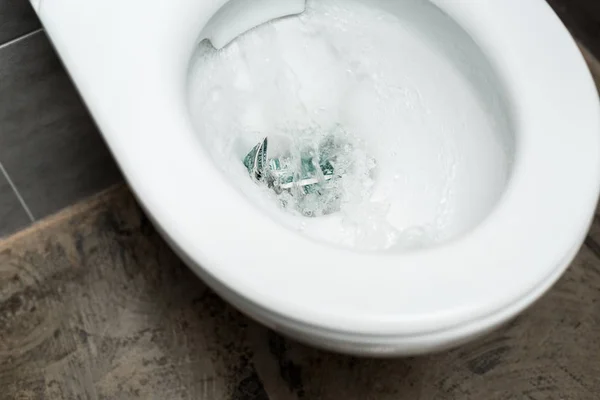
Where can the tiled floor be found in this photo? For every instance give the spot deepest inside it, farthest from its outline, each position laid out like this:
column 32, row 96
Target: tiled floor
column 51, row 154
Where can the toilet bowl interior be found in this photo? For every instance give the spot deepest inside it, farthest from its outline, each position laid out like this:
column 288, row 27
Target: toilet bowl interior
column 409, row 89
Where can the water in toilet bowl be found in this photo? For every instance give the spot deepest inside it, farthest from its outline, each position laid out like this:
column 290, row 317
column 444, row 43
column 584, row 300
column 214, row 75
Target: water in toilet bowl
column 422, row 103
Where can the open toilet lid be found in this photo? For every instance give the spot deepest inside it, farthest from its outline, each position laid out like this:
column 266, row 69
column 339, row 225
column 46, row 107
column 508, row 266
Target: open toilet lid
column 132, row 77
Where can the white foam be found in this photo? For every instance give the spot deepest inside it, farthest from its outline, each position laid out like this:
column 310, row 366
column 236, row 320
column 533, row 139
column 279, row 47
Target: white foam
column 392, row 83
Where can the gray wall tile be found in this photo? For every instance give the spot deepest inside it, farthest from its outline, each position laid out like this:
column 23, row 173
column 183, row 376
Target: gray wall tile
column 582, row 17
column 16, row 18
column 48, row 142
column 12, row 215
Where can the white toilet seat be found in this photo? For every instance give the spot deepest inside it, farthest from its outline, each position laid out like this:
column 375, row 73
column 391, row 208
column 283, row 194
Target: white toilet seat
column 129, row 61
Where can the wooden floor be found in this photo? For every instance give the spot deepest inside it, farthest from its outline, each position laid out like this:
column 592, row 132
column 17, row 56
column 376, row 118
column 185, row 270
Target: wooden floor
column 94, row 305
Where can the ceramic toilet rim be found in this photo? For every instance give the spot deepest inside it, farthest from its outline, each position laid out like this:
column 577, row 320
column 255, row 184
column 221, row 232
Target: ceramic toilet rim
column 378, row 343
column 418, row 293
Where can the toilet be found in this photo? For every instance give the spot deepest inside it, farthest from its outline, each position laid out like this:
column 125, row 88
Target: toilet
column 527, row 167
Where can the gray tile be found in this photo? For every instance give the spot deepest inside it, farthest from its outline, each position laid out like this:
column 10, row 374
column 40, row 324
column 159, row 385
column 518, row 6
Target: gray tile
column 12, row 215
column 16, row 18
column 48, row 142
column 582, row 17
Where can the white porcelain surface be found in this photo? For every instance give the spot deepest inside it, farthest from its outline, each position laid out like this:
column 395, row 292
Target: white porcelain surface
column 130, row 60
column 237, row 17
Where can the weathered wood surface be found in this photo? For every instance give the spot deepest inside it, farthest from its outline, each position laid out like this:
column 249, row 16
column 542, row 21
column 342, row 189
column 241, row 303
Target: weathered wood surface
column 94, row 305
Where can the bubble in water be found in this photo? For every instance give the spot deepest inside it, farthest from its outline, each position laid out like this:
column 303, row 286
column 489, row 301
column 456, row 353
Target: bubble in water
column 313, row 172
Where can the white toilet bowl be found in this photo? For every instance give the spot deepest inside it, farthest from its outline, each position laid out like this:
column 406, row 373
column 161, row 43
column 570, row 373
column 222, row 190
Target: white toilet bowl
column 130, row 61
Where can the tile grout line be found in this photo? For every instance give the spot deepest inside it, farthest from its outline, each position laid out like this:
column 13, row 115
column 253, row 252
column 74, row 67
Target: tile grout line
column 22, row 37
column 16, row 192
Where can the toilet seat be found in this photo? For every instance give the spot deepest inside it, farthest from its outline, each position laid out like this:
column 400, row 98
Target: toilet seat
column 130, row 67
